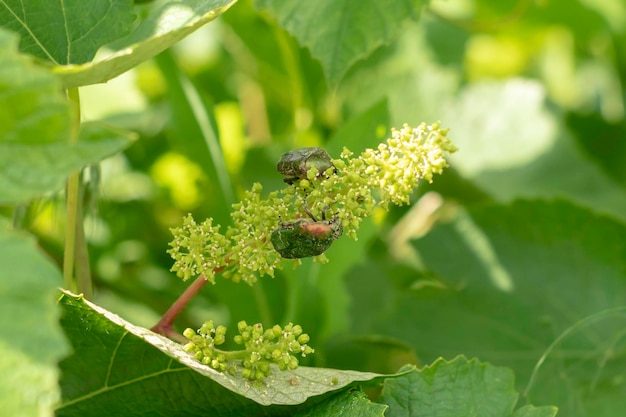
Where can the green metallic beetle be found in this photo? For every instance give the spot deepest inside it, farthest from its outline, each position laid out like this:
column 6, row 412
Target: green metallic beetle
column 303, row 238
column 297, row 163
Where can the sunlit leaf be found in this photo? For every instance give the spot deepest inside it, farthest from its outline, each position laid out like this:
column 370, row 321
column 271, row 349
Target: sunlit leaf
column 514, row 146
column 165, row 24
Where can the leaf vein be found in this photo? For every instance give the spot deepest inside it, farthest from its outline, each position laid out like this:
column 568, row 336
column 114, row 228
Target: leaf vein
column 25, row 26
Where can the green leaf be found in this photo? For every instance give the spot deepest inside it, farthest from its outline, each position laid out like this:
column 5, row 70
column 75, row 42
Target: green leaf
column 28, row 170
column 404, row 74
column 515, row 278
column 66, row 31
column 31, row 108
column 459, row 387
column 115, row 363
column 31, row 341
column 339, row 33
column 513, row 146
column 35, row 155
column 165, row 23
column 346, row 404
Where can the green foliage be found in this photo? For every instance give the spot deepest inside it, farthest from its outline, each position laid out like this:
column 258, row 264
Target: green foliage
column 339, row 33
column 459, row 387
column 31, row 342
column 513, row 259
column 67, row 33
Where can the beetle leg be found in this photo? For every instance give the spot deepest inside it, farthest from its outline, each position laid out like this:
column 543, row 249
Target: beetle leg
column 280, row 221
column 324, row 213
column 336, row 223
column 307, row 211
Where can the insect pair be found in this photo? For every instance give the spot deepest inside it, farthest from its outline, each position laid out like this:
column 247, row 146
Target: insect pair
column 305, row 237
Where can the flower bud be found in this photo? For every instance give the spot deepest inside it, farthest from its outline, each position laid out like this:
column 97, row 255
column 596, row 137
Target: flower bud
column 189, row 333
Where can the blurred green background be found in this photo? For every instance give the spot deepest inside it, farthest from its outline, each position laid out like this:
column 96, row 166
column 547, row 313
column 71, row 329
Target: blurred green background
column 533, row 92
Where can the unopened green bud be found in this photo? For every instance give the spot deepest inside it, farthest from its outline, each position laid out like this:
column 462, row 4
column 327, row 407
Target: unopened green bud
column 219, row 339
column 265, row 367
column 189, row 333
column 207, row 327
column 241, row 326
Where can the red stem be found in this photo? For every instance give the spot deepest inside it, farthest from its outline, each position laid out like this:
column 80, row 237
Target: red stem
column 165, row 326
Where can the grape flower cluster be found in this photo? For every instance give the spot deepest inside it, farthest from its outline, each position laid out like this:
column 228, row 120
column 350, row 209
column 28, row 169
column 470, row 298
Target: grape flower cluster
column 277, row 345
column 351, row 190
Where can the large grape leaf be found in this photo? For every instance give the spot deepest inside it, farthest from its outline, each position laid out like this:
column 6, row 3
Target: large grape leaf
column 31, row 340
column 35, row 153
column 128, row 370
column 341, row 32
column 459, row 387
column 516, row 278
column 66, row 31
column 163, row 24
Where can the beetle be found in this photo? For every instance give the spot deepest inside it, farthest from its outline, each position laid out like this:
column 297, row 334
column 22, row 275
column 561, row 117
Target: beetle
column 295, row 164
column 306, row 237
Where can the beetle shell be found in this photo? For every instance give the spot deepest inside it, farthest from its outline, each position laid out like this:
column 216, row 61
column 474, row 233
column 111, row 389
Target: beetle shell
column 303, row 238
column 295, row 164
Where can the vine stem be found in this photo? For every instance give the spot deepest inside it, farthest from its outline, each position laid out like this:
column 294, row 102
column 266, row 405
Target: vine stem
column 72, row 196
column 165, row 326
